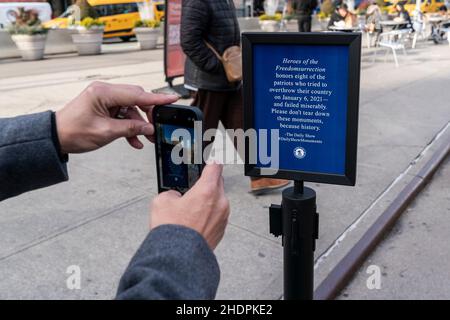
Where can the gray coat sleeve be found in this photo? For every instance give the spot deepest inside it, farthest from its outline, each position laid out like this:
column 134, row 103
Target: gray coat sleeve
column 174, row 262
column 29, row 158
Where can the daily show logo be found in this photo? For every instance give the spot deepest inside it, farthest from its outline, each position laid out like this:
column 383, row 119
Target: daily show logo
column 299, row 153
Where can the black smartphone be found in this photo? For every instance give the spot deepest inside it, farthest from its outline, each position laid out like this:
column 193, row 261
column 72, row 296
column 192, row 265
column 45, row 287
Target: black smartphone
column 178, row 146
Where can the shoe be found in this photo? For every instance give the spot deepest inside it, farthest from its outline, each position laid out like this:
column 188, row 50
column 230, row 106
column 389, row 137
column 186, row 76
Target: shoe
column 260, row 185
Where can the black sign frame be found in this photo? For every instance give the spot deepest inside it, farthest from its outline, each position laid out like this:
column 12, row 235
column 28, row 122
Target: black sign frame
column 353, row 41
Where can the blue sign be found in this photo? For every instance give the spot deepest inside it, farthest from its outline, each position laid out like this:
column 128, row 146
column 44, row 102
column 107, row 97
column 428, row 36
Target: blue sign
column 302, row 90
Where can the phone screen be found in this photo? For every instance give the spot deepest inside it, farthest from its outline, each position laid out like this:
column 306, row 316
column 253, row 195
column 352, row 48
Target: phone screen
column 175, row 149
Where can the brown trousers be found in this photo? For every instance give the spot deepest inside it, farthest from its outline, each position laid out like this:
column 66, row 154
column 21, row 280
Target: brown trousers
column 225, row 106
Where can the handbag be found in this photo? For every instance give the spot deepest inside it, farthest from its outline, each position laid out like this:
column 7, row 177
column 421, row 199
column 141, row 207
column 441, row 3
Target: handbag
column 231, row 61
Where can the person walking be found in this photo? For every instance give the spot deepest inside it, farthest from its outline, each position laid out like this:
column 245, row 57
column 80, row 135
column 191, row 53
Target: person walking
column 208, row 26
column 303, row 10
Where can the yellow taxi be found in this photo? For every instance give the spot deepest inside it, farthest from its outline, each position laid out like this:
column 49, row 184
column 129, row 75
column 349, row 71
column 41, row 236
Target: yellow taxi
column 159, row 8
column 119, row 16
column 427, row 6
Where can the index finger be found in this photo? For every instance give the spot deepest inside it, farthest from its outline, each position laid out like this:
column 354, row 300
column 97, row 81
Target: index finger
column 145, row 101
column 120, row 95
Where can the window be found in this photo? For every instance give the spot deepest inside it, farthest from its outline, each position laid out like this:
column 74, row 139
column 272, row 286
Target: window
column 114, row 9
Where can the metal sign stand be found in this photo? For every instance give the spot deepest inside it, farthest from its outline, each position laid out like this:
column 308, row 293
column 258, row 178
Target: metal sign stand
column 179, row 90
column 297, row 221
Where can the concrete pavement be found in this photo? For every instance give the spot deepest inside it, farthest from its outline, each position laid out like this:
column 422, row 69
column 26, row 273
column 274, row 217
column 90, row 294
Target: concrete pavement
column 413, row 259
column 98, row 218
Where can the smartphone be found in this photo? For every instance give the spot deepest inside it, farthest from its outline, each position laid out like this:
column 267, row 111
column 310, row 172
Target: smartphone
column 178, row 146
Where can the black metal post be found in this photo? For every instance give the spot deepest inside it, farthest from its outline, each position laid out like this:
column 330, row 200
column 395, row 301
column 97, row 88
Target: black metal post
column 297, row 221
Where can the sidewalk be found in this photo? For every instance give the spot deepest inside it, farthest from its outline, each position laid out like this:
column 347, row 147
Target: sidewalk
column 414, row 258
column 98, row 219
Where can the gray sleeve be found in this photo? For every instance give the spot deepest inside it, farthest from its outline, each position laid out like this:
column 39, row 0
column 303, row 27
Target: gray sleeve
column 174, row 262
column 29, row 158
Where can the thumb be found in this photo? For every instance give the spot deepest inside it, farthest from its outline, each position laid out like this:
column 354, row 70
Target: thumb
column 167, row 196
column 130, row 128
column 171, row 194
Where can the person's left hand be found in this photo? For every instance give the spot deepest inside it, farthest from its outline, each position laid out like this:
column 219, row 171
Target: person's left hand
column 87, row 122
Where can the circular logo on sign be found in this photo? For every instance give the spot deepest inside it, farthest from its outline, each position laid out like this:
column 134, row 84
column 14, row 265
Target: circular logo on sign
column 299, row 153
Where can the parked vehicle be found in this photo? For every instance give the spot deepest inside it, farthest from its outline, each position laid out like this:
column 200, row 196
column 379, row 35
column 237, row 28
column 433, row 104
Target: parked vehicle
column 410, row 5
column 119, row 16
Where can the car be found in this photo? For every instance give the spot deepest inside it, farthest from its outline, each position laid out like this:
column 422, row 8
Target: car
column 427, row 6
column 119, row 16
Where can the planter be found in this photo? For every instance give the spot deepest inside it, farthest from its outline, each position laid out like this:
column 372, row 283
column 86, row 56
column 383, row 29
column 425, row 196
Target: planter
column 31, row 47
column 269, row 25
column 292, row 25
column 324, row 23
column 147, row 37
column 88, row 41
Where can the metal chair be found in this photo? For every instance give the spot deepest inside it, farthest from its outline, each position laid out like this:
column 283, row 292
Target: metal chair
column 419, row 28
column 447, row 31
column 393, row 41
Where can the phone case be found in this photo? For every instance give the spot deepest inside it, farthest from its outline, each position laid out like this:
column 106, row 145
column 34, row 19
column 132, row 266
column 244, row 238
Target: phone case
column 159, row 108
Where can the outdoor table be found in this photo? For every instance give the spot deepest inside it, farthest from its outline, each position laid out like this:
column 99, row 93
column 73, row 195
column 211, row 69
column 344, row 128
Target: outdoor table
column 344, row 29
column 436, row 19
column 392, row 23
column 435, row 22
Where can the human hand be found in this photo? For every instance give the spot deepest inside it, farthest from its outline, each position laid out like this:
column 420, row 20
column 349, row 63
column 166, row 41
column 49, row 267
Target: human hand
column 203, row 208
column 87, row 122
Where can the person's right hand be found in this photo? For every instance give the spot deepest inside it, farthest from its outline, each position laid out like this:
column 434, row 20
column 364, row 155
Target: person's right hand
column 203, row 208
column 88, row 122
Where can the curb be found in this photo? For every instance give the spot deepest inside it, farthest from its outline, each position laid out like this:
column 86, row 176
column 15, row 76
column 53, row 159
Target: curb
column 343, row 272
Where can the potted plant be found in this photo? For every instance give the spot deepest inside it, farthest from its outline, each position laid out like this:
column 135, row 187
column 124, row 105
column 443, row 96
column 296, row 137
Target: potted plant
column 28, row 34
column 87, row 36
column 270, row 23
column 323, row 19
column 147, row 33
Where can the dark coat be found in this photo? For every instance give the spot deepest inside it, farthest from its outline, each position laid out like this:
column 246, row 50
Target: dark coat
column 213, row 21
column 407, row 18
column 304, row 7
column 335, row 17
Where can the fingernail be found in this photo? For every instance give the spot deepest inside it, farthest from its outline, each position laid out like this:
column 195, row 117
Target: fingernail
column 147, row 130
